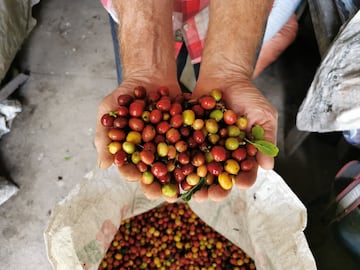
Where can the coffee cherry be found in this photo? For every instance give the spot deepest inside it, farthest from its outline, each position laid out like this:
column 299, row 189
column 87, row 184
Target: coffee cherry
column 128, row 147
column 120, row 158
column 230, row 117
column 184, row 158
column 225, row 180
column 198, row 110
column 135, row 157
column 211, row 126
column 173, row 135
column 116, row 134
column 136, row 108
column 181, row 146
column 107, row 120
column 193, row 179
column 145, row 116
column 199, row 136
column 141, row 166
column 232, row 143
column 216, row 94
column 125, row 100
column 215, row 168
column 217, row 115
column 147, row 157
column 198, row 159
column 169, row 190
column 198, row 124
column 239, row 154
column 207, row 102
column 164, row 178
column 155, row 116
column 114, row 147
column 241, row 123
column 176, row 121
column 164, row 104
column 136, row 124
column 175, row 108
column 219, row 153
column 188, row 117
column 122, row 111
column 140, row 92
column 147, row 178
column 163, row 91
column 162, row 149
column 148, row 133
column 159, row 169
column 134, row 137
column 251, row 150
column 231, row 166
column 246, row 165
column 162, row 127
column 120, row 122
column 233, row 131
column 213, row 138
column 150, row 146
column 172, row 152
column 202, row 170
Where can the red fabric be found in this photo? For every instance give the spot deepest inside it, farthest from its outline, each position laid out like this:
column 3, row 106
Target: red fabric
column 191, row 17
column 190, row 22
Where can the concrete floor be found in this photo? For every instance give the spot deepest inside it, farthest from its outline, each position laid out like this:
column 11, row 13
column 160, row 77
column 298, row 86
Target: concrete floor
column 70, row 59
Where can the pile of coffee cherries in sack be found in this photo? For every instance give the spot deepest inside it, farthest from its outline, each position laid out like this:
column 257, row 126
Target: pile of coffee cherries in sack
column 172, row 237
column 183, row 143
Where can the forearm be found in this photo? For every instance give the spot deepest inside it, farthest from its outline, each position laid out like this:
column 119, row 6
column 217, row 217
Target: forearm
column 145, row 38
column 234, row 36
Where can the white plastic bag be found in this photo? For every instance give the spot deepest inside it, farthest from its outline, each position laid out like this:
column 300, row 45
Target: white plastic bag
column 266, row 221
column 332, row 102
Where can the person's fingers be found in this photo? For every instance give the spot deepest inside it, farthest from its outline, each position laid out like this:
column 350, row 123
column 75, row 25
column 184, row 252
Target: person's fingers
column 102, row 140
column 130, row 172
column 171, row 199
column 266, row 162
column 272, row 49
column 151, row 191
column 245, row 179
column 105, row 158
column 217, row 193
column 201, row 195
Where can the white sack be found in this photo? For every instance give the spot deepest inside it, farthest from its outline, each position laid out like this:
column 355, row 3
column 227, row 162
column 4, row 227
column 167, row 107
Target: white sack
column 7, row 190
column 333, row 100
column 8, row 110
column 16, row 23
column 266, row 221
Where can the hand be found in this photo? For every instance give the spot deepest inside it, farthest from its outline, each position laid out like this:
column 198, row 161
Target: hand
column 244, row 98
column 109, row 103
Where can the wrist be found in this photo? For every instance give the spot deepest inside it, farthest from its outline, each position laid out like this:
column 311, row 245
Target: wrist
column 234, row 36
column 146, row 38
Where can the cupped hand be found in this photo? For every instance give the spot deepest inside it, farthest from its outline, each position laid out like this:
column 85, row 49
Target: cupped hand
column 245, row 99
column 108, row 104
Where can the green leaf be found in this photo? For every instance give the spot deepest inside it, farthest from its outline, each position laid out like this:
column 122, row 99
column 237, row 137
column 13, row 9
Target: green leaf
column 187, row 196
column 265, row 147
column 67, row 158
column 258, row 132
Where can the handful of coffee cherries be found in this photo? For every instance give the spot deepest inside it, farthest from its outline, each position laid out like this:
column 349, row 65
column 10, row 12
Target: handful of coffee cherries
column 183, row 143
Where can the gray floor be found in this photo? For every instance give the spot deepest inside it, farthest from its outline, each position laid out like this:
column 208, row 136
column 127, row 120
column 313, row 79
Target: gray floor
column 50, row 148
